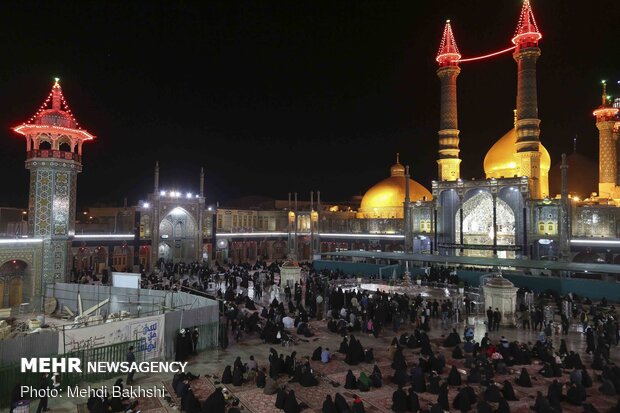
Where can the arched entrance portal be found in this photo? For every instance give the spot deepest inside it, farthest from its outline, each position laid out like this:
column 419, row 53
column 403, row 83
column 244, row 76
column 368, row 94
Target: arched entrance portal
column 178, row 233
column 12, row 276
column 478, row 225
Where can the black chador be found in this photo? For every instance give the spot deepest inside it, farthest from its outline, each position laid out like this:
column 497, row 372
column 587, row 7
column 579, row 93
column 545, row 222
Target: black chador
column 227, row 375
column 281, row 398
column 454, row 377
column 413, row 402
column 508, row 392
column 350, row 381
column 442, row 398
column 399, row 400
column 400, row 377
column 524, row 379
column 433, row 387
column 492, row 394
column 457, row 353
column 399, row 360
column 341, row 404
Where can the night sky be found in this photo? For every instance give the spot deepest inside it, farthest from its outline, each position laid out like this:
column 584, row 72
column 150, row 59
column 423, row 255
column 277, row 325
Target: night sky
column 277, row 97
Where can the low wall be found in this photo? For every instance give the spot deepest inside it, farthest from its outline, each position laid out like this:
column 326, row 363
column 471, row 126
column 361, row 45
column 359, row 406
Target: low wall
column 594, row 289
column 361, row 269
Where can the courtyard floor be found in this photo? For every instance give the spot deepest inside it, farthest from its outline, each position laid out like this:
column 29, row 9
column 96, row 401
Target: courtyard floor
column 210, row 365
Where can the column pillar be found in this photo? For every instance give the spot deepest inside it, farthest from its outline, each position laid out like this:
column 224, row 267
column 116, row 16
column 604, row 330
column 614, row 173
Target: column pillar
column 494, row 224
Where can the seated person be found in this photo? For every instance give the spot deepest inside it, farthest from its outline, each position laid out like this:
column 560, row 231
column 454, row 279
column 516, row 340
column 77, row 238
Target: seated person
column 524, row 379
column 452, row 340
column 316, row 354
column 369, row 356
column 363, row 382
column 457, row 353
column 350, row 381
column 227, row 375
column 326, row 356
column 376, row 377
column 469, row 346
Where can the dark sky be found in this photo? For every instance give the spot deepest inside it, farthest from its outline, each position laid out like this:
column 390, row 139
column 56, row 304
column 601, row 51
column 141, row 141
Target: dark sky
column 272, row 97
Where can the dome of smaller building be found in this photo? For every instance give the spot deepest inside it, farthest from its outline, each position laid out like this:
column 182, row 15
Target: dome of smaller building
column 499, row 282
column 290, row 264
column 386, row 198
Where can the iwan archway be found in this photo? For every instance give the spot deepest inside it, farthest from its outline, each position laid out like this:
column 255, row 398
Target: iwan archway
column 178, row 233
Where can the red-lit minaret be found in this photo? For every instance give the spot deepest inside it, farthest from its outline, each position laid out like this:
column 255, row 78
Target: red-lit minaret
column 448, row 58
column 606, row 117
column 528, row 125
column 54, row 157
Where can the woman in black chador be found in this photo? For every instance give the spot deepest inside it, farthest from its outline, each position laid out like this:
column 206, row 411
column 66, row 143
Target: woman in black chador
column 454, row 377
column 227, row 375
column 413, row 402
column 350, row 381
column 457, row 353
column 281, row 398
column 508, row 392
column 341, row 403
column 316, row 354
column 399, row 400
column 328, row 405
column 524, row 379
column 290, row 404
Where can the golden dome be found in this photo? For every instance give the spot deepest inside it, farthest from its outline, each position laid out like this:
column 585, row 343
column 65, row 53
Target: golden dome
column 385, row 199
column 501, row 160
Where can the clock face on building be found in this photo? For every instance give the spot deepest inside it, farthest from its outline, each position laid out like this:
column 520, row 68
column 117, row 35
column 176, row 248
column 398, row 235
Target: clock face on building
column 222, row 244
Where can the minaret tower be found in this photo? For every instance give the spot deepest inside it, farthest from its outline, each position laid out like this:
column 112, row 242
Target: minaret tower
column 528, row 125
column 606, row 116
column 54, row 157
column 448, row 58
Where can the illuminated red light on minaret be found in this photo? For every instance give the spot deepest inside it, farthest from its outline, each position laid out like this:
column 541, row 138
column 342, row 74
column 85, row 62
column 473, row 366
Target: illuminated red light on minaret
column 448, row 54
column 54, row 112
column 527, row 33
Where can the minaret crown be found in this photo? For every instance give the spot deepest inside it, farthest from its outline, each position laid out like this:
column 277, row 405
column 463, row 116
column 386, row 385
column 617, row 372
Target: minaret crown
column 448, row 53
column 527, row 33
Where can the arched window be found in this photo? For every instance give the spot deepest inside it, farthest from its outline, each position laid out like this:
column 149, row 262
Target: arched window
column 65, row 147
column 45, row 145
column 550, row 228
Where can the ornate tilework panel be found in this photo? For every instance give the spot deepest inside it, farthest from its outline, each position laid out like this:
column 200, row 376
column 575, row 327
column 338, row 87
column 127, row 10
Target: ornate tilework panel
column 61, row 201
column 43, row 203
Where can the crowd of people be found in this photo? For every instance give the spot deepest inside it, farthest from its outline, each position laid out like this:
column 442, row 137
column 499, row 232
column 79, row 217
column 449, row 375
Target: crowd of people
column 348, row 312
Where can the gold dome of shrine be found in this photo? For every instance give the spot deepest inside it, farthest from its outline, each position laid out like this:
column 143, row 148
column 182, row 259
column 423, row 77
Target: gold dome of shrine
column 502, row 161
column 386, row 198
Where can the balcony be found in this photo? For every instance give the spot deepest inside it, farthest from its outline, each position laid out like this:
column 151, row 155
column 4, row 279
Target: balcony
column 52, row 153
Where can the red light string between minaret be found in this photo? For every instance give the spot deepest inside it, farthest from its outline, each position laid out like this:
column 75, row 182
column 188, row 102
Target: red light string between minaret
column 469, row 59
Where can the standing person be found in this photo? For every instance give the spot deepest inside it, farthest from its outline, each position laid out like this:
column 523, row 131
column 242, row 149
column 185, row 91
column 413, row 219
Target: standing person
column 131, row 359
column 565, row 324
column 490, row 319
column 44, row 386
column 497, row 317
column 195, row 335
column 525, row 319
